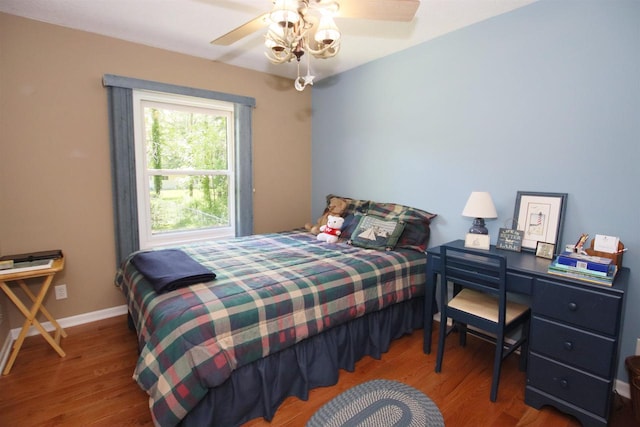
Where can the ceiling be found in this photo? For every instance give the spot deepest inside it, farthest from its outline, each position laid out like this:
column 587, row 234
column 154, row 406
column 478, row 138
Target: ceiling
column 188, row 26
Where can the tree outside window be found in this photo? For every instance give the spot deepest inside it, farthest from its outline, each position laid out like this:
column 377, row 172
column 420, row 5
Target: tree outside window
column 187, row 175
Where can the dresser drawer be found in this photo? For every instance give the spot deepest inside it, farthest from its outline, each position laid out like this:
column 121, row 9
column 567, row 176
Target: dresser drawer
column 572, row 346
column 575, row 387
column 579, row 306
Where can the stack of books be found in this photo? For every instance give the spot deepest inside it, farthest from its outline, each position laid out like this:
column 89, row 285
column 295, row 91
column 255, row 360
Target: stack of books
column 10, row 264
column 588, row 268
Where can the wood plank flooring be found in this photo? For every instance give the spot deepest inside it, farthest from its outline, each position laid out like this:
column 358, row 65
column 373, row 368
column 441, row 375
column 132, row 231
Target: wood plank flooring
column 92, row 385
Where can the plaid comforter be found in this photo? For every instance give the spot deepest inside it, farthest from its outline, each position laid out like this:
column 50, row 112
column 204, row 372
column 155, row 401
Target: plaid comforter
column 271, row 292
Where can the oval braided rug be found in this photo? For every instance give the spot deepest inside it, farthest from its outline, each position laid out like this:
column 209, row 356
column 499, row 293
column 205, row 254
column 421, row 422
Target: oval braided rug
column 379, row 403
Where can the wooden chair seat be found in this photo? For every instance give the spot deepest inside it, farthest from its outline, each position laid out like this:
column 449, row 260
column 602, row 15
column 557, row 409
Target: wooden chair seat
column 486, row 306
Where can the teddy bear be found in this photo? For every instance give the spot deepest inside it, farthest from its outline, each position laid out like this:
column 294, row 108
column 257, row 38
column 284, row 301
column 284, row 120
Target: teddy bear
column 331, row 230
column 337, row 207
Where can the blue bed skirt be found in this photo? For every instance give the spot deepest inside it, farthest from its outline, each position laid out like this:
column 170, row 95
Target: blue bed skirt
column 258, row 389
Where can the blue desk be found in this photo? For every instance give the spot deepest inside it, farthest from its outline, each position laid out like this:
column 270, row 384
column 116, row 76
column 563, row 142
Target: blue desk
column 574, row 336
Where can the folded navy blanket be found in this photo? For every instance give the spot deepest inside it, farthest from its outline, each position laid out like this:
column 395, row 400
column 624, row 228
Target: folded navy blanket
column 170, row 269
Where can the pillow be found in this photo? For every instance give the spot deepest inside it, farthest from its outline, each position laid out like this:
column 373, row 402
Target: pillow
column 350, row 223
column 353, row 205
column 416, row 231
column 374, row 232
column 355, row 208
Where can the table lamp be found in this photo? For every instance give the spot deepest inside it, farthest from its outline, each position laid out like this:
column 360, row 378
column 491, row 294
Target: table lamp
column 479, row 206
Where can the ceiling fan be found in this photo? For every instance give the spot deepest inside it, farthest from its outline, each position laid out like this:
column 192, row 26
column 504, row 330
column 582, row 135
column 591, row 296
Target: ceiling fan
column 380, row 10
column 306, row 26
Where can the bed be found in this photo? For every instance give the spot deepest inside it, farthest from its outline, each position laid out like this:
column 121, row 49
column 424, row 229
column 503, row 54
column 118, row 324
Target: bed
column 283, row 315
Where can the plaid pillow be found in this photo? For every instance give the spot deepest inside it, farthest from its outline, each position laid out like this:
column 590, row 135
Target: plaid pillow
column 353, row 205
column 350, row 223
column 416, row 230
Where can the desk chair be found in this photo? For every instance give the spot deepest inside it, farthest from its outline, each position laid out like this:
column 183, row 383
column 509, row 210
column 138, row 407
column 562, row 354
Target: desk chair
column 480, row 300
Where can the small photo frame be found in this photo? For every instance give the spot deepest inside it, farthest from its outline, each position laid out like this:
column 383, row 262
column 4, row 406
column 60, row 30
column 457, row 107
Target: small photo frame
column 545, row 250
column 477, row 241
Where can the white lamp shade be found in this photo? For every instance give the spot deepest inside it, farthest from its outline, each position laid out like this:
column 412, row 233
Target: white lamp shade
column 480, row 205
column 275, row 33
column 327, row 30
column 285, row 13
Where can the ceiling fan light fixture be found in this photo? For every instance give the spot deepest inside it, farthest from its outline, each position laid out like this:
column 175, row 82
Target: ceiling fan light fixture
column 305, row 28
column 302, row 27
column 285, row 13
column 327, row 32
column 272, row 39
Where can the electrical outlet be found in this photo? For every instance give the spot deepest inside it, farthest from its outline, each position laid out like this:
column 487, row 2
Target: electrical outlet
column 61, row 291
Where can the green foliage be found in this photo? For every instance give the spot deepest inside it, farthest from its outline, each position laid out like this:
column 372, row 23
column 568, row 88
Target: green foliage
column 187, row 141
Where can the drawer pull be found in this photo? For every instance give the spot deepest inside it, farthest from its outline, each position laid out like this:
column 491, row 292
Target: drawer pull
column 568, row 345
column 573, row 306
column 564, row 383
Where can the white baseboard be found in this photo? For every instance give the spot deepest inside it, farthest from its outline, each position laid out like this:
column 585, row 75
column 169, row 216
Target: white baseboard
column 4, row 351
column 80, row 319
column 623, row 389
column 66, row 322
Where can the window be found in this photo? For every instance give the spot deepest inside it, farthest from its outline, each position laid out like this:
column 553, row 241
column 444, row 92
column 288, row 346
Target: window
column 123, row 156
column 184, row 149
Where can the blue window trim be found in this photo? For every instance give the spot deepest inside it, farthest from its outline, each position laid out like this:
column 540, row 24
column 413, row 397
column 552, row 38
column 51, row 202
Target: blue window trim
column 120, row 99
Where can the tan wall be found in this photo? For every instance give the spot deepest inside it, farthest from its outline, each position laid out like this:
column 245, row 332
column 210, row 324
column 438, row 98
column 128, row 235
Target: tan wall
column 4, row 326
column 55, row 178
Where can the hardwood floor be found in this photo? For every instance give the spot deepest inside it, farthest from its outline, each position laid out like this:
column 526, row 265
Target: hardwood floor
column 92, row 385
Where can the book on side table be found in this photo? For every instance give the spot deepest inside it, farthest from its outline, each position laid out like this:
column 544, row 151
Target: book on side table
column 10, row 264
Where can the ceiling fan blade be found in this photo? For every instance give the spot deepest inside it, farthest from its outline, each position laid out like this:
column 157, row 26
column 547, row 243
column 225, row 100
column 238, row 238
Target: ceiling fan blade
column 242, row 31
column 380, row 10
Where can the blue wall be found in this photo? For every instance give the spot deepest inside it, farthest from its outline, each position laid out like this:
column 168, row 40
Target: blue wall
column 545, row 98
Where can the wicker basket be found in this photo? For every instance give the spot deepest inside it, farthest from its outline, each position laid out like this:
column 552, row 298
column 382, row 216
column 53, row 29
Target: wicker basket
column 633, row 366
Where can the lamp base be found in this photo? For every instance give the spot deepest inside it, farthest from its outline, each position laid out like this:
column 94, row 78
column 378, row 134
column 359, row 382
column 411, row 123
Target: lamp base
column 478, row 227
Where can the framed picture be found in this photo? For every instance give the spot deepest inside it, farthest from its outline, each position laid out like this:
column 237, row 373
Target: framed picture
column 540, row 216
column 510, row 240
column 545, row 250
column 477, row 241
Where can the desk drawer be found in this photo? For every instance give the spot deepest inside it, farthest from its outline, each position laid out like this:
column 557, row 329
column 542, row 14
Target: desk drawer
column 573, row 346
column 573, row 386
column 519, row 283
column 579, row 306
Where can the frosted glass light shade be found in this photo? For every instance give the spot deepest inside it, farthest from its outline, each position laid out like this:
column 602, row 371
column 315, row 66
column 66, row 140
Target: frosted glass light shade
column 275, row 36
column 327, row 30
column 285, row 13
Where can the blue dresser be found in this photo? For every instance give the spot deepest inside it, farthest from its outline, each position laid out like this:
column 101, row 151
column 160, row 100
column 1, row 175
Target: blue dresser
column 574, row 348
column 574, row 337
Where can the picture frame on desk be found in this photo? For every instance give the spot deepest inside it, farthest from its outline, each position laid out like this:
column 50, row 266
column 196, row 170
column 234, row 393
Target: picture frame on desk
column 510, row 239
column 477, row 241
column 541, row 217
column 545, row 250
